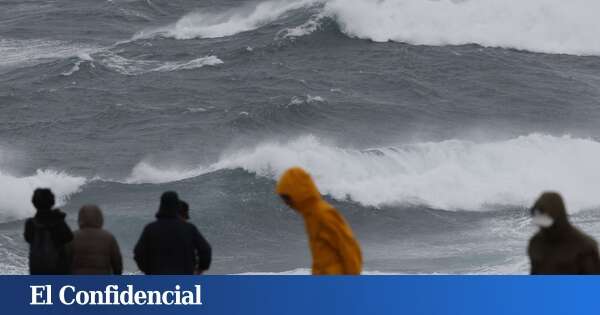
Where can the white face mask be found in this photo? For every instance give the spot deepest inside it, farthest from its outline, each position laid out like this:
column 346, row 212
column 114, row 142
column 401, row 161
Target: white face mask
column 542, row 220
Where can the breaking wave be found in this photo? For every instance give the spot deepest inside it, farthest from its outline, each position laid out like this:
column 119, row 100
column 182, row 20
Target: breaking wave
column 146, row 173
column 213, row 25
column 547, row 26
column 16, row 192
column 450, row 175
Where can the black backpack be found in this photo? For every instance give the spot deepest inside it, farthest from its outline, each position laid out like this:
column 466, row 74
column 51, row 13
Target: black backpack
column 44, row 254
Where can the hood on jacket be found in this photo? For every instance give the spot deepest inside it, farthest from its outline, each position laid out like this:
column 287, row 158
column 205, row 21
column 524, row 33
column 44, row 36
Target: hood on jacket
column 90, row 216
column 299, row 187
column 552, row 205
column 169, row 205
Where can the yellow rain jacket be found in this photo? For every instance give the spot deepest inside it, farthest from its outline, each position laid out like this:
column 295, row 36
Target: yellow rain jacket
column 334, row 249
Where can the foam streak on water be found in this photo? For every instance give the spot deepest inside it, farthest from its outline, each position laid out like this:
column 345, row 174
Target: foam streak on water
column 33, row 51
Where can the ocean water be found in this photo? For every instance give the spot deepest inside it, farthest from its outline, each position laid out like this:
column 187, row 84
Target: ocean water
column 431, row 125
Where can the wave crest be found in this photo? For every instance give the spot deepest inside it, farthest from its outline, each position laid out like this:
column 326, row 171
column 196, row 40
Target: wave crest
column 214, row 25
column 16, row 192
column 450, row 175
column 146, row 173
column 549, row 26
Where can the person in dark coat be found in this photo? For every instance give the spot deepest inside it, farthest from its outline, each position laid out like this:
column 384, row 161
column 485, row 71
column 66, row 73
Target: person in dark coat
column 47, row 234
column 170, row 245
column 559, row 247
column 95, row 251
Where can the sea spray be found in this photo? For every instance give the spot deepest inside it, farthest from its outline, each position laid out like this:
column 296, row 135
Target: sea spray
column 15, row 195
column 200, row 24
column 450, row 175
column 549, row 26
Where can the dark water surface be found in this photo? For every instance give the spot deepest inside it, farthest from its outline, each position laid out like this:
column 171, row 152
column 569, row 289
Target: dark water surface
column 431, row 152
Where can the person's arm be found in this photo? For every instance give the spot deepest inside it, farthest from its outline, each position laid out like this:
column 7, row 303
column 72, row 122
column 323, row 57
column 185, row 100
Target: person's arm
column 203, row 251
column 348, row 251
column 63, row 233
column 344, row 243
column 140, row 252
column 589, row 263
column 116, row 260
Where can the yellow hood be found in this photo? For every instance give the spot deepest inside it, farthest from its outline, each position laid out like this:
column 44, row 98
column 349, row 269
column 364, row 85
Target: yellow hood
column 297, row 184
column 333, row 246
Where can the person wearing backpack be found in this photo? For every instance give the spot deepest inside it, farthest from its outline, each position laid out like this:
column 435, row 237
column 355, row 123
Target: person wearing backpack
column 48, row 235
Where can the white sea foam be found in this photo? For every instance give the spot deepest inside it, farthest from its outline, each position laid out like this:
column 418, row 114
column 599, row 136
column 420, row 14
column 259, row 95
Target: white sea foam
column 16, row 191
column 308, row 99
column 33, row 51
column 451, row 175
column 136, row 67
column 551, row 26
column 192, row 64
column 145, row 172
column 314, row 99
column 312, row 25
column 220, row 24
column 81, row 58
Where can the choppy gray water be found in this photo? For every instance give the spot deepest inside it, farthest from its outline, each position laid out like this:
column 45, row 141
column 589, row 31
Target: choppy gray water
column 431, row 134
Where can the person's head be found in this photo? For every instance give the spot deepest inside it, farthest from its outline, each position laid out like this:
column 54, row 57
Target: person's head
column 184, row 210
column 169, row 205
column 43, row 199
column 549, row 211
column 297, row 189
column 287, row 200
column 90, row 216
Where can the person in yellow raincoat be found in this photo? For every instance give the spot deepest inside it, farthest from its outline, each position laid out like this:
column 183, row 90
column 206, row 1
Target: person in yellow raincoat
column 334, row 249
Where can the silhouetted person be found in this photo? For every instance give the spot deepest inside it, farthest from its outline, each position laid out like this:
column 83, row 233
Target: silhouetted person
column 559, row 247
column 170, row 245
column 184, row 211
column 47, row 234
column 95, row 251
column 333, row 246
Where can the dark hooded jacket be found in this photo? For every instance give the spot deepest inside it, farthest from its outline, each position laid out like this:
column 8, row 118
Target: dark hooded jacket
column 54, row 221
column 95, row 251
column 561, row 248
column 170, row 245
